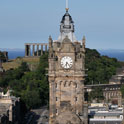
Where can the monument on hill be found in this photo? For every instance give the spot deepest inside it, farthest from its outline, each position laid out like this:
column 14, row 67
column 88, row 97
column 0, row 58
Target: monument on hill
column 66, row 76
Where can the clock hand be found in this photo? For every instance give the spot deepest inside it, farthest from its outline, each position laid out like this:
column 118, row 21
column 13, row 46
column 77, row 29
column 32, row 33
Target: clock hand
column 67, row 65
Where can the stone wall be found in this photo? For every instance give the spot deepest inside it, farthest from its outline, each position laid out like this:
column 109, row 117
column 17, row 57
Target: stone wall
column 10, row 107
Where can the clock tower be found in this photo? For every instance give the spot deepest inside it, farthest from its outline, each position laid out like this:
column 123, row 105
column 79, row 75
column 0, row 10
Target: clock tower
column 66, row 76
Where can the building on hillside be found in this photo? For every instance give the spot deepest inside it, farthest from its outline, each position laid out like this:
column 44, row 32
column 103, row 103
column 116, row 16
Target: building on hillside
column 5, row 53
column 9, row 108
column 111, row 92
column 35, row 49
column 118, row 78
column 4, row 57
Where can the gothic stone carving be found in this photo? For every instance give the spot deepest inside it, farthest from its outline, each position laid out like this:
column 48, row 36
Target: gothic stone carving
column 66, row 85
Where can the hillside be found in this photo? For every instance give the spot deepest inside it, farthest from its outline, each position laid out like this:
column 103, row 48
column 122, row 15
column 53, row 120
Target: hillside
column 15, row 63
column 32, row 86
column 100, row 68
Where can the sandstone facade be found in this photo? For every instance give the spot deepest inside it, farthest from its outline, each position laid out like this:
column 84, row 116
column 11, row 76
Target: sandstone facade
column 66, row 76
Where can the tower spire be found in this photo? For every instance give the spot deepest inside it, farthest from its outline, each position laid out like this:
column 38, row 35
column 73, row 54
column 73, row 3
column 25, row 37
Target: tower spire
column 67, row 8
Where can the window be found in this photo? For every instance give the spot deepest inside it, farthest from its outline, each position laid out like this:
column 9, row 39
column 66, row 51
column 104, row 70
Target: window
column 56, row 85
column 75, row 98
column 76, row 85
column 56, row 111
column 65, row 84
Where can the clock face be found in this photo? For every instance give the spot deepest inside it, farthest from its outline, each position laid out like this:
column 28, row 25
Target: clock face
column 66, row 62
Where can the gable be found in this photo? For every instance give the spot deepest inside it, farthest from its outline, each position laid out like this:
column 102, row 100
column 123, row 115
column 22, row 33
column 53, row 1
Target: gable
column 67, row 46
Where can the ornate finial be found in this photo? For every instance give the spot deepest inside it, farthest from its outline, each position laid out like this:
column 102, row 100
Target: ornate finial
column 84, row 40
column 50, row 37
column 83, row 43
column 50, row 41
column 67, row 6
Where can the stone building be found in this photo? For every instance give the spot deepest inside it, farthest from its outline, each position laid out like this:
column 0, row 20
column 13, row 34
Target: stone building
column 9, row 109
column 111, row 92
column 5, row 54
column 118, row 78
column 105, row 115
column 66, row 76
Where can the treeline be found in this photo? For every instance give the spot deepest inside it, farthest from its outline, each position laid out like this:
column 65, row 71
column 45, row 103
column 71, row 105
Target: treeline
column 32, row 86
column 99, row 68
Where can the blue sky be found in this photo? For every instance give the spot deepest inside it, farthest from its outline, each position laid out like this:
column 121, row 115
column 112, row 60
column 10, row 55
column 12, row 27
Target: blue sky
column 101, row 21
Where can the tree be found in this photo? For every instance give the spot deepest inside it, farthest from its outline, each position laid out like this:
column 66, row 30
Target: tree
column 100, row 68
column 31, row 87
column 96, row 94
column 31, row 98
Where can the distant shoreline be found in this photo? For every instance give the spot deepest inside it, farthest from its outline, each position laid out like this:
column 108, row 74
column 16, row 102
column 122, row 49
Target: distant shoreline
column 118, row 54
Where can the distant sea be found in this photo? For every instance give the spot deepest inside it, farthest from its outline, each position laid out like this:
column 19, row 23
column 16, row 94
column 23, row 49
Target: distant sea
column 16, row 53
column 119, row 54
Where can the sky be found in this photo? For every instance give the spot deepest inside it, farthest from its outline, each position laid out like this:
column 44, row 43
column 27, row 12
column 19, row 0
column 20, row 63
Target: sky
column 32, row 21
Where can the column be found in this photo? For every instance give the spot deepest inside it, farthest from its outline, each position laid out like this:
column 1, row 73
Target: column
column 37, row 50
column 46, row 48
column 41, row 49
column 29, row 50
column 26, row 51
column 33, row 50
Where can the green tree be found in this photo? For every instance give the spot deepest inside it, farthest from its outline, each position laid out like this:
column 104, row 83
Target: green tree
column 31, row 98
column 33, row 86
column 100, row 68
column 96, row 94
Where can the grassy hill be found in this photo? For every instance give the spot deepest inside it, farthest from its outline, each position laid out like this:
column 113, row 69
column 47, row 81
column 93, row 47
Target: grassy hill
column 15, row 63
